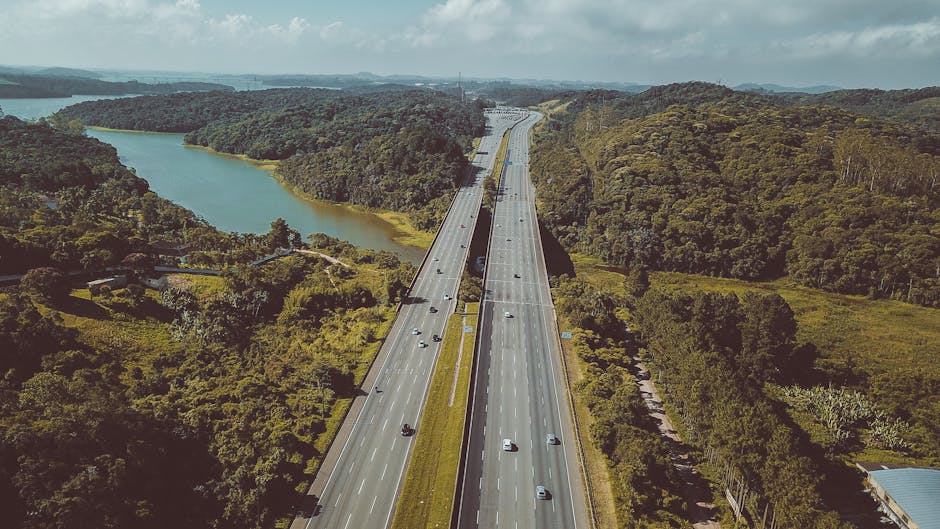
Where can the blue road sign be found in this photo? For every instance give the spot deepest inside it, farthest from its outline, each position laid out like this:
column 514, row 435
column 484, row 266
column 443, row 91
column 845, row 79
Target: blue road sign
column 566, row 335
column 507, row 162
column 468, row 328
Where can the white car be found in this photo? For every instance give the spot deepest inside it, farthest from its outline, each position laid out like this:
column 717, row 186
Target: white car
column 508, row 315
column 446, row 296
column 435, row 259
column 507, row 445
column 415, row 331
column 422, row 344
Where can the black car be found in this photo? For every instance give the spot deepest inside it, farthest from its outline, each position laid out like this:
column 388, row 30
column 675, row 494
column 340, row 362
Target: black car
column 406, row 430
column 436, row 338
column 432, row 310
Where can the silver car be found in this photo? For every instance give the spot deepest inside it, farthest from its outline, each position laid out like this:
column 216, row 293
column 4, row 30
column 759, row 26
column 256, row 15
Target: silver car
column 541, row 493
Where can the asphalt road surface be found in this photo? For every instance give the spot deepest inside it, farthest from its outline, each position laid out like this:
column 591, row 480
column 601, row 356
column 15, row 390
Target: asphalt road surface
column 519, row 393
column 363, row 486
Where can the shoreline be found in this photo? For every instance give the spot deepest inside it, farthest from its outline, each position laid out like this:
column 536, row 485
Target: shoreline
column 404, row 231
column 264, row 165
column 131, row 131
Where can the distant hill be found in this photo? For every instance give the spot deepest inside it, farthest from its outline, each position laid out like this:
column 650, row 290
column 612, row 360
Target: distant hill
column 919, row 106
column 68, row 72
column 770, row 87
column 36, row 86
column 186, row 112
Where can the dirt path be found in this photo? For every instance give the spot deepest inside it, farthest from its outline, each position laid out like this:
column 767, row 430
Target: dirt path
column 696, row 490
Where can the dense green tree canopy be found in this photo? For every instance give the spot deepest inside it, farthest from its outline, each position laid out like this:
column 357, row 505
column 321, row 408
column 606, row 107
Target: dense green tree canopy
column 727, row 184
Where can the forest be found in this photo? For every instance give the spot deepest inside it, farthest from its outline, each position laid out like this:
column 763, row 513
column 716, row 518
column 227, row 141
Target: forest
column 744, row 391
column 920, row 106
column 31, row 86
column 103, row 211
column 206, row 405
column 696, row 178
column 186, row 111
column 391, row 147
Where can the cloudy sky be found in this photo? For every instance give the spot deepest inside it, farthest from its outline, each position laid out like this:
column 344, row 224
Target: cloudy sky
column 850, row 43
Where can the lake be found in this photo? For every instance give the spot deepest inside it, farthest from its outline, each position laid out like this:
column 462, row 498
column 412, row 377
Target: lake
column 231, row 194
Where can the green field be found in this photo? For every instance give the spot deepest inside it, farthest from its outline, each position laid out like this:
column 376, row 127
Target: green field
column 876, row 335
column 427, row 497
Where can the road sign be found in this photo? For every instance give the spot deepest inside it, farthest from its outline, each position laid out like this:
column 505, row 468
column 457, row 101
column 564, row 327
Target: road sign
column 468, row 328
column 566, row 335
column 507, row 162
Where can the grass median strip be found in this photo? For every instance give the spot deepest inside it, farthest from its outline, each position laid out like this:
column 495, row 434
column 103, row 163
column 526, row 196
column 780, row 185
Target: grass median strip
column 428, row 494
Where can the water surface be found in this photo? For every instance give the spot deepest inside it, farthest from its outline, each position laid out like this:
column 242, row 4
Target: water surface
column 231, row 194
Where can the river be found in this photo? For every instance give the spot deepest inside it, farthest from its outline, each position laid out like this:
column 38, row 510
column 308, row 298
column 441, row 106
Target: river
column 231, row 194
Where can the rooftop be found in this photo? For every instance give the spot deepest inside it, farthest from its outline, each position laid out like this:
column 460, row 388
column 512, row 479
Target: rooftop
column 916, row 490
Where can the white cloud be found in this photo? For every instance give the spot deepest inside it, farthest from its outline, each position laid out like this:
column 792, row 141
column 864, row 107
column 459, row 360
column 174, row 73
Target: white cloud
column 666, row 31
column 920, row 39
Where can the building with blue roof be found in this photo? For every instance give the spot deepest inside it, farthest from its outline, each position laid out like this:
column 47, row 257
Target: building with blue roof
column 909, row 496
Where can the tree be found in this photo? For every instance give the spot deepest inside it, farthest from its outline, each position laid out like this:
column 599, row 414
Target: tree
column 636, row 282
column 47, row 283
column 141, row 264
column 768, row 336
column 282, row 236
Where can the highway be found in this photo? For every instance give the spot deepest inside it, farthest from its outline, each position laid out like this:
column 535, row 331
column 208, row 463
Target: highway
column 519, row 393
column 362, row 487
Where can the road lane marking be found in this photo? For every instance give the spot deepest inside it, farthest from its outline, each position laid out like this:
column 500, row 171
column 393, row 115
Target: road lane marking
column 383, row 472
column 347, row 521
column 374, row 450
column 360, row 486
column 373, row 504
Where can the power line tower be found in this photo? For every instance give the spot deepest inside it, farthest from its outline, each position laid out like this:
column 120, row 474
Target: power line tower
column 460, row 96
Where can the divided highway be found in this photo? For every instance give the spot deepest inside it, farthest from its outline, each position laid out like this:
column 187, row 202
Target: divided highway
column 519, row 392
column 363, row 485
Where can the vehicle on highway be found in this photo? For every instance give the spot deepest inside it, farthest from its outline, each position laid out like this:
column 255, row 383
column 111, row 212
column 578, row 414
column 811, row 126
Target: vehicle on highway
column 422, row 343
column 436, row 338
column 520, row 219
column 438, row 270
column 551, row 439
column 436, row 259
column 462, row 226
column 507, row 445
column 406, row 430
column 541, row 493
column 516, row 276
column 415, row 331
column 432, row 310
column 446, row 296
column 508, row 315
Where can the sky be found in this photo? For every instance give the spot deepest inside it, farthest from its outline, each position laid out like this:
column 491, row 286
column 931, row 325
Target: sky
column 849, row 43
